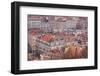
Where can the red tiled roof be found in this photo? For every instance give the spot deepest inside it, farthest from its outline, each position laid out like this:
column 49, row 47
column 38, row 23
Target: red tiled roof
column 47, row 37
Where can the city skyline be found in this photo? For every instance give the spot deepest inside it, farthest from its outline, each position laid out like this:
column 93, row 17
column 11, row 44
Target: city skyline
column 57, row 37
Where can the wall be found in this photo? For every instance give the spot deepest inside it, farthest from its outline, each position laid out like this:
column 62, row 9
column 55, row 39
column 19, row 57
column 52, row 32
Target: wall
column 5, row 39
